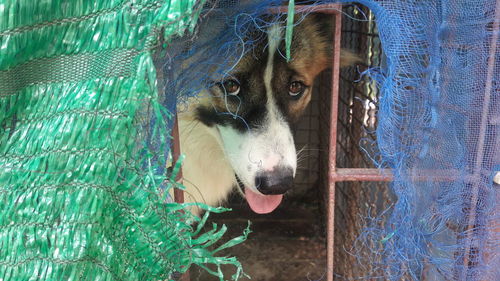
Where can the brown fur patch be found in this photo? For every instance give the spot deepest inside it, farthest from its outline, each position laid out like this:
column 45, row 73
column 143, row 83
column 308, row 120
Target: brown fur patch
column 310, row 50
column 311, row 53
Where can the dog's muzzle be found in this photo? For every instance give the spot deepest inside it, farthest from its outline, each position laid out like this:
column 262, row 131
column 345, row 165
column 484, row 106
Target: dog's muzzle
column 275, row 182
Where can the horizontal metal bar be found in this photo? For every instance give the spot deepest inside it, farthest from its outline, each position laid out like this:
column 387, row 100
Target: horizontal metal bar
column 361, row 174
column 374, row 174
column 334, row 9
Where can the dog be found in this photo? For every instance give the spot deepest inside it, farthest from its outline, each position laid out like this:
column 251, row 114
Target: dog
column 253, row 151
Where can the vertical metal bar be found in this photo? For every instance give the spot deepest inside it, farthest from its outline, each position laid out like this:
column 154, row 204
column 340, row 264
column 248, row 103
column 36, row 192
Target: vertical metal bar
column 178, row 193
column 332, row 155
column 481, row 139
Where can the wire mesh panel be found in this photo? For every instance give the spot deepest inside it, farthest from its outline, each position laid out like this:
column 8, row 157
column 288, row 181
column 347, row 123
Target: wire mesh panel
column 358, row 102
column 355, row 202
column 83, row 125
column 307, row 142
column 442, row 73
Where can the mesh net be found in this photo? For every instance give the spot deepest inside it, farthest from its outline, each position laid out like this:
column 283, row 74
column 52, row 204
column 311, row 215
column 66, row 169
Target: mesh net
column 81, row 117
column 437, row 128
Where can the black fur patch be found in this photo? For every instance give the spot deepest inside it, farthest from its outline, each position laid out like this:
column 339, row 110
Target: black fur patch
column 248, row 109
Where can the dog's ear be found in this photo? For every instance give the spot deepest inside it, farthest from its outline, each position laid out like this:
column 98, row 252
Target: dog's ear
column 326, row 26
column 348, row 58
column 312, row 45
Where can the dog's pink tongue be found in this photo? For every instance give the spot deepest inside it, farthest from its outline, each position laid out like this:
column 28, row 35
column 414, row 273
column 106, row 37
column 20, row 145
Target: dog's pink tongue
column 262, row 204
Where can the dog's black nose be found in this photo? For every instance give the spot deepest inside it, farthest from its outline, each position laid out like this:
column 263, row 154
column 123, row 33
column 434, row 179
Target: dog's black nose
column 278, row 181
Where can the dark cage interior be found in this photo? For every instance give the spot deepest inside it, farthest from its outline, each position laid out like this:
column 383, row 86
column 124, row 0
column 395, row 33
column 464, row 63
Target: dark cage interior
column 290, row 243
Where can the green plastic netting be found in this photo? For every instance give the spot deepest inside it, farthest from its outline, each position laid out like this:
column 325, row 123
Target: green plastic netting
column 80, row 195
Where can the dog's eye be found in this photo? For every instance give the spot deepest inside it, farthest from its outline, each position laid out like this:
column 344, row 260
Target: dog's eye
column 296, row 89
column 230, row 87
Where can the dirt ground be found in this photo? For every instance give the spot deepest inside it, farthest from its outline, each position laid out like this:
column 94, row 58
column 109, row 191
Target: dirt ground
column 286, row 245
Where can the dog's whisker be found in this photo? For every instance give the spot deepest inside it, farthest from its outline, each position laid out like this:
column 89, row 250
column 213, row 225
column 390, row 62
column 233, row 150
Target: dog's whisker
column 222, row 142
column 301, row 150
column 302, row 160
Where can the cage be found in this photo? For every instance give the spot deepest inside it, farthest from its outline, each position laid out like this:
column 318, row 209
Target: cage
column 84, row 144
column 355, row 201
column 296, row 247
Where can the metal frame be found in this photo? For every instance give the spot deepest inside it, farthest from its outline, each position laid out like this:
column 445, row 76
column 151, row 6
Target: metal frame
column 335, row 174
column 332, row 152
column 178, row 193
column 357, row 174
column 339, row 174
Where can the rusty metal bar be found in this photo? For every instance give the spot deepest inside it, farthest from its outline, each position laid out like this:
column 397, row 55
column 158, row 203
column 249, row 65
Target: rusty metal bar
column 332, row 154
column 360, row 174
column 374, row 174
column 178, row 193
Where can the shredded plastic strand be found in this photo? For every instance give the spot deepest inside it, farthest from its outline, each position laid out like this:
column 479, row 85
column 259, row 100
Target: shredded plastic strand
column 81, row 193
column 79, row 179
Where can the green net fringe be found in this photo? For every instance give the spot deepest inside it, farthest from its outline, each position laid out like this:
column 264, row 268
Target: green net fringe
column 76, row 200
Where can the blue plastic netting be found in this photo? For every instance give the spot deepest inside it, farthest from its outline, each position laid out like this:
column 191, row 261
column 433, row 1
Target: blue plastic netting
column 438, row 124
column 438, row 130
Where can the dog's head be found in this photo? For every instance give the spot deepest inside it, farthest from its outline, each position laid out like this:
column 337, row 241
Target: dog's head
column 253, row 107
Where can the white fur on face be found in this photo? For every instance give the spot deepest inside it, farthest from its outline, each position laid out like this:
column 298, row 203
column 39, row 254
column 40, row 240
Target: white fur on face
column 268, row 147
